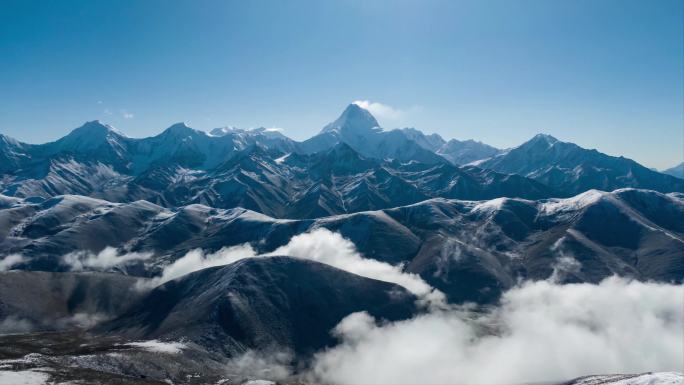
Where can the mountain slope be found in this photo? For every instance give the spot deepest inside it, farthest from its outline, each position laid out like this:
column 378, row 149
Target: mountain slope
column 676, row 171
column 571, row 169
column 35, row 300
column 183, row 166
column 463, row 152
column 470, row 250
column 260, row 303
column 358, row 128
column 352, row 165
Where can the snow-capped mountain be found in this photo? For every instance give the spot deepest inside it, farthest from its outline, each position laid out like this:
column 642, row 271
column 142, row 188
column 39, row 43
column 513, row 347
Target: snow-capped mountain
column 455, row 151
column 358, row 128
column 467, row 151
column 258, row 169
column 571, row 169
column 261, row 169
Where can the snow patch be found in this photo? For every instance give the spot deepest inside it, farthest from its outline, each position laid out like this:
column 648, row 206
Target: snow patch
column 555, row 206
column 23, row 377
column 157, row 346
column 282, row 158
column 662, row 378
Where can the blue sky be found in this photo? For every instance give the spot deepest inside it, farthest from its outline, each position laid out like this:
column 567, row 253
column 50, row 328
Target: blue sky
column 604, row 74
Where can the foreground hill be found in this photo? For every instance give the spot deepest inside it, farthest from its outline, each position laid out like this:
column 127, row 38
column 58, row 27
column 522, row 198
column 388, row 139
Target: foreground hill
column 260, row 303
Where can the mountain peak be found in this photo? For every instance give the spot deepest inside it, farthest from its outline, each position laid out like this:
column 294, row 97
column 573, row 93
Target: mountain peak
column 181, row 129
column 354, row 118
column 94, row 128
column 92, row 137
column 544, row 138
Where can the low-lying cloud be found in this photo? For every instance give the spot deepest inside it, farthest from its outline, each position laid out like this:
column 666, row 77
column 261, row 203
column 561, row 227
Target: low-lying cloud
column 320, row 245
column 10, row 261
column 106, row 259
column 541, row 332
column 13, row 324
column 255, row 365
column 197, row 259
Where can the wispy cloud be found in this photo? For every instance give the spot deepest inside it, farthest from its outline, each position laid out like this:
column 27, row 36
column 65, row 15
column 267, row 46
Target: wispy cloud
column 9, row 261
column 105, row 259
column 387, row 112
column 125, row 114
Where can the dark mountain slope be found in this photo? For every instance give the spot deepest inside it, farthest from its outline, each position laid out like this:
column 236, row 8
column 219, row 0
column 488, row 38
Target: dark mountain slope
column 471, row 250
column 260, row 303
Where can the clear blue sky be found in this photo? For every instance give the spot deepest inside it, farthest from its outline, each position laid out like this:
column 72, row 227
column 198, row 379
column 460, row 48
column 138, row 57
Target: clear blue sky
column 604, row 74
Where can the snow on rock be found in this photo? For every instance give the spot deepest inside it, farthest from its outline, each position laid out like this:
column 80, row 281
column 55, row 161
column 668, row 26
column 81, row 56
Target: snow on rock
column 157, row 346
column 661, row 378
column 259, row 382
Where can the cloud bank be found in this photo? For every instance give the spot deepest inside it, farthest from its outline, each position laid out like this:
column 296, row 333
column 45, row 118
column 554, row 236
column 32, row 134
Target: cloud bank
column 197, row 259
column 320, row 245
column 541, row 332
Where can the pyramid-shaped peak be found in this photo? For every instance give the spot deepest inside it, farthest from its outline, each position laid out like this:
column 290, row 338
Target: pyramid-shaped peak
column 91, row 136
column 544, row 138
column 354, row 118
column 94, row 128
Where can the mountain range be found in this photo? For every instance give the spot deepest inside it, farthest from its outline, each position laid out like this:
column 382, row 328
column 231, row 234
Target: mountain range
column 352, row 165
column 239, row 254
column 470, row 250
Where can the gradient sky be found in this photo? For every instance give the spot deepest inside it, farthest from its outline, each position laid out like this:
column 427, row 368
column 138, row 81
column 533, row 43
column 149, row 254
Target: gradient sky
column 604, row 74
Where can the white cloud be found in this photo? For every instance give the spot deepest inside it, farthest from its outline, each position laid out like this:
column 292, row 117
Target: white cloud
column 196, row 260
column 105, row 259
column 386, row 112
column 322, row 245
column 10, row 261
column 274, row 365
column 565, row 262
column 541, row 332
column 125, row 114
